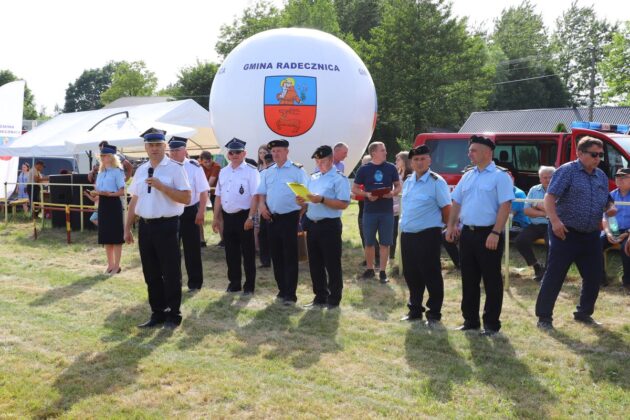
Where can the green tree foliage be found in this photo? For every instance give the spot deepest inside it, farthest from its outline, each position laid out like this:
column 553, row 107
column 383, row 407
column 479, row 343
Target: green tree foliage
column 194, row 82
column 315, row 14
column 525, row 78
column 257, row 18
column 358, row 17
column 130, row 79
column 428, row 71
column 579, row 43
column 615, row 67
column 85, row 93
column 30, row 113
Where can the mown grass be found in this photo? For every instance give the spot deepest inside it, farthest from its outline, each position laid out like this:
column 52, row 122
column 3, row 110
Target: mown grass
column 69, row 347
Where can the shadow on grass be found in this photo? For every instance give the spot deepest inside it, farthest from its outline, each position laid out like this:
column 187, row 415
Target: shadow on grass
column 607, row 358
column 217, row 317
column 378, row 299
column 68, row 291
column 430, row 353
column 302, row 344
column 104, row 372
column 497, row 365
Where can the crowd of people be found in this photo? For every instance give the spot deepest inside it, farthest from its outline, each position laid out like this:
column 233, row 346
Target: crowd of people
column 254, row 209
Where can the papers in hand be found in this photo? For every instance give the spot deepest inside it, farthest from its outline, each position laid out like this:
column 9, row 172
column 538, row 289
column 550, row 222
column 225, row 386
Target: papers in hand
column 380, row 192
column 299, row 189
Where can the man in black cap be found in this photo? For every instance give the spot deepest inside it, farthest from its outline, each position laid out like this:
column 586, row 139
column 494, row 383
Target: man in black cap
column 619, row 235
column 329, row 196
column 277, row 205
column 482, row 200
column 425, row 204
column 234, row 209
column 159, row 193
column 194, row 213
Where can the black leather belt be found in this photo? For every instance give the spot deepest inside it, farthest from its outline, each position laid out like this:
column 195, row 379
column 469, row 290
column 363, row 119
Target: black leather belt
column 325, row 220
column 158, row 220
column 474, row 228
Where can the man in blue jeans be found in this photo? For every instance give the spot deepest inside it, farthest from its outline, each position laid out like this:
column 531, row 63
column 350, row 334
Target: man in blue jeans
column 381, row 183
column 574, row 202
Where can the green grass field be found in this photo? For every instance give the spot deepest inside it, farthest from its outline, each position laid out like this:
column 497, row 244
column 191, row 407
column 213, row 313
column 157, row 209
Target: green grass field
column 69, row 346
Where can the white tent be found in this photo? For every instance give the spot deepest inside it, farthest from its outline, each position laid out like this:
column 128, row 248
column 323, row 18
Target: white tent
column 72, row 133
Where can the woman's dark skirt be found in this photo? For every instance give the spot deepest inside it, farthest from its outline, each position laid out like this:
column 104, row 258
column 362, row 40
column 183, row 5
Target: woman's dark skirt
column 110, row 221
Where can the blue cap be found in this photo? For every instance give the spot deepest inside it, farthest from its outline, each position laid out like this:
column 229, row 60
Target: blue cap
column 108, row 149
column 153, row 135
column 177, row 142
column 235, row 144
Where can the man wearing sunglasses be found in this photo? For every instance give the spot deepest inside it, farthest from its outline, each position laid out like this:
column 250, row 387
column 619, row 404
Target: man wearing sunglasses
column 574, row 202
column 234, row 208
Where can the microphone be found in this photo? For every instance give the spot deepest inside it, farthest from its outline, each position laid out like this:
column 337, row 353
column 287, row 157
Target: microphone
column 150, row 176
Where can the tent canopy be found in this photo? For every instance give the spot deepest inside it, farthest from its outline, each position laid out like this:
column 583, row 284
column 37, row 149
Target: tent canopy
column 72, row 133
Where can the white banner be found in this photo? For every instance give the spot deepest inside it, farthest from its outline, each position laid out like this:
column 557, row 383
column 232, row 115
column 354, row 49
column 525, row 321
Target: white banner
column 11, row 109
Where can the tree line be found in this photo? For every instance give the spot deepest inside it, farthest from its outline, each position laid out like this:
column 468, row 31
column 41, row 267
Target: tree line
column 430, row 68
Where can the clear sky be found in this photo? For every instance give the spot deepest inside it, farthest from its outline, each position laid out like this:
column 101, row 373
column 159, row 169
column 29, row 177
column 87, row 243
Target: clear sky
column 50, row 43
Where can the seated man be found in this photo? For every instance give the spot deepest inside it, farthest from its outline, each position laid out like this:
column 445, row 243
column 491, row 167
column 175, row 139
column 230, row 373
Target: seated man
column 610, row 238
column 538, row 221
column 519, row 218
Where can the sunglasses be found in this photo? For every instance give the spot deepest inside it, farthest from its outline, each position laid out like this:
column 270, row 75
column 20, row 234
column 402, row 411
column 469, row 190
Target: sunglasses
column 596, row 154
column 235, row 152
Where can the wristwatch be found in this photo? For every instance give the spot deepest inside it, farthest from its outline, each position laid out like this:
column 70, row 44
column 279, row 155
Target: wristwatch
column 250, row 218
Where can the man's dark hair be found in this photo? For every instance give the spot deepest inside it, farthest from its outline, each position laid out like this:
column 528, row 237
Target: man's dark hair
column 586, row 142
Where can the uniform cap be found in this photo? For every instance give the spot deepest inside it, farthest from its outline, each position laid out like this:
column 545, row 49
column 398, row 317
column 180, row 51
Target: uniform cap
column 177, row 142
column 108, row 149
column 322, row 152
column 623, row 172
column 153, row 135
column 235, row 145
column 423, row 149
column 482, row 140
column 277, row 143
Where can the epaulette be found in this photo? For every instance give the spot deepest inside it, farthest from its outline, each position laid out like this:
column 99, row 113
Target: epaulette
column 501, row 168
column 271, row 166
column 179, row 163
column 433, row 175
column 251, row 166
column 194, row 163
column 341, row 173
column 297, row 165
column 408, row 176
column 467, row 168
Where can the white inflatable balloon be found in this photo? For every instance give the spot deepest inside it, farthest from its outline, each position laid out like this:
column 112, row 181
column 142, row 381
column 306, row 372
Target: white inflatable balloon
column 303, row 85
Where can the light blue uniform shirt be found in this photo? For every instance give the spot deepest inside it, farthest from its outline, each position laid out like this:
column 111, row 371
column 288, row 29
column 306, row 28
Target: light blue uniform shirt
column 422, row 201
column 623, row 212
column 480, row 193
column 537, row 192
column 273, row 183
column 331, row 185
column 519, row 217
column 110, row 180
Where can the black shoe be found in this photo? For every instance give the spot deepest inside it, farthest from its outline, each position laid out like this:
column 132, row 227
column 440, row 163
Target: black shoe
column 488, row 332
column 203, row 244
column 193, row 290
column 466, row 328
column 151, row 323
column 545, row 325
column 332, row 305
column 433, row 323
column 315, row 304
column 382, row 277
column 221, row 244
column 411, row 317
column 539, row 272
column 288, row 302
column 264, row 266
column 248, row 293
column 232, row 290
column 588, row 320
column 368, row 274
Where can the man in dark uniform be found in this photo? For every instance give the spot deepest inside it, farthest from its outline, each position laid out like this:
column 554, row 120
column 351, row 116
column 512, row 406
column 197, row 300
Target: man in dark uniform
column 484, row 198
column 194, row 213
column 426, row 204
column 575, row 199
column 159, row 192
column 329, row 196
column 276, row 204
column 234, row 209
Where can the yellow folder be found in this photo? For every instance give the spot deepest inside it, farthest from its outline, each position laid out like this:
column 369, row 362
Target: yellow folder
column 299, row 189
